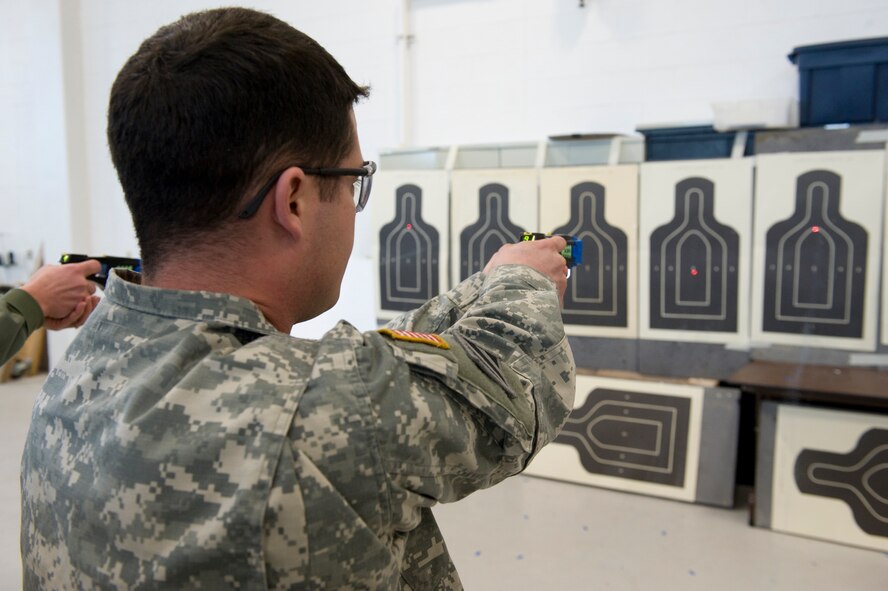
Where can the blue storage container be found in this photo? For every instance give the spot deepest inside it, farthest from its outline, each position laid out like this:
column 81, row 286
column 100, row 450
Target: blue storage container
column 691, row 143
column 845, row 82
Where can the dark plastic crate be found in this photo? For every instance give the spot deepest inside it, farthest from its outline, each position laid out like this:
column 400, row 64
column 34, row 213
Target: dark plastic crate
column 845, row 82
column 691, row 143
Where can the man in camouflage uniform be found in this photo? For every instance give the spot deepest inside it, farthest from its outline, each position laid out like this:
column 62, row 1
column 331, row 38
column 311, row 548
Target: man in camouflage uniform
column 187, row 441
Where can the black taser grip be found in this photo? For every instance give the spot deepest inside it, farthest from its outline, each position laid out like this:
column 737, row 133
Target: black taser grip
column 107, row 263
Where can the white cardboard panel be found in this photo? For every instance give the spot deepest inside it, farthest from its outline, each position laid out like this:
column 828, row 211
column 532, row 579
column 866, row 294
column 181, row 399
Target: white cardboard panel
column 411, row 238
column 834, row 452
column 818, row 202
column 599, row 204
column 488, row 209
column 701, row 231
column 884, row 316
column 636, row 436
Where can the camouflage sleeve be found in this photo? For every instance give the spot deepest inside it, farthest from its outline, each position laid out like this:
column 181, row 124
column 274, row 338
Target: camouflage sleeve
column 20, row 315
column 457, row 420
column 442, row 311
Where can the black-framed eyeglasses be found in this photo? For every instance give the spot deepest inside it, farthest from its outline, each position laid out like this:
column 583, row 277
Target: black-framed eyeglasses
column 362, row 185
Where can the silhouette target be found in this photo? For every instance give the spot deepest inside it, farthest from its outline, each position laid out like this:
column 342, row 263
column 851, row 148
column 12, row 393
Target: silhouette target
column 815, row 265
column 408, row 261
column 596, row 292
column 631, row 435
column 859, row 478
column 694, row 265
column 479, row 241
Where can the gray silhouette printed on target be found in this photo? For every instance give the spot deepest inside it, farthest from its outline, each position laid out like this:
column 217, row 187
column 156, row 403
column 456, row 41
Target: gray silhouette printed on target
column 596, row 292
column 694, row 265
column 815, row 264
column 479, row 241
column 631, row 435
column 859, row 478
column 409, row 254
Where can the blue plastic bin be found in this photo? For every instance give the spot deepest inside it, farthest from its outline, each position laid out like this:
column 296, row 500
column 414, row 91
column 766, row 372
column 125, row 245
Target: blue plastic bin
column 690, row 143
column 845, row 82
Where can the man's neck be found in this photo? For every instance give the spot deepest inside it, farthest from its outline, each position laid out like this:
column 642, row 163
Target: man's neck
column 246, row 281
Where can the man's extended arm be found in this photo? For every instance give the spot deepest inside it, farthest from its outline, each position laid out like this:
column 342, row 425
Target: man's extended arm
column 20, row 315
column 513, row 361
column 476, row 413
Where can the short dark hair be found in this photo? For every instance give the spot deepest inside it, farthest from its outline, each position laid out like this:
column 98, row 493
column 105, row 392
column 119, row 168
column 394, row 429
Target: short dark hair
column 210, row 104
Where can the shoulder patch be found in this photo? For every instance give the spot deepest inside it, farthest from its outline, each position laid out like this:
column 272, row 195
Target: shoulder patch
column 415, row 337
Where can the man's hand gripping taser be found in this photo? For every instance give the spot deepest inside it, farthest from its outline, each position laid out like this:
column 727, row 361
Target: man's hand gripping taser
column 572, row 253
column 108, row 263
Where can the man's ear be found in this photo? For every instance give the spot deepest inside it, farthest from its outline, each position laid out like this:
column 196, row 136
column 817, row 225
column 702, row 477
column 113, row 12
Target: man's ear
column 289, row 193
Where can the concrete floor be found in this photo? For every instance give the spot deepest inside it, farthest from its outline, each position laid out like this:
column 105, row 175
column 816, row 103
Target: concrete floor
column 530, row 533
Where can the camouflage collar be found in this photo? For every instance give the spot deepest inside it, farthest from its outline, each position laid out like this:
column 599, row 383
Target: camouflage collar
column 124, row 289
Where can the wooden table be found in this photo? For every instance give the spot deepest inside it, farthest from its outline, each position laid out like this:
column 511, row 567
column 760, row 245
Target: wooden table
column 861, row 388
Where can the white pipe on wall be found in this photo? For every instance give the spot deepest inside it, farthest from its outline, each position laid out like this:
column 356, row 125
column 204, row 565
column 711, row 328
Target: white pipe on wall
column 405, row 66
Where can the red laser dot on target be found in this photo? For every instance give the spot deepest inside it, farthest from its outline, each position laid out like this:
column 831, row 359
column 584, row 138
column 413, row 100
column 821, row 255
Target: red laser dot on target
column 409, row 226
column 815, row 229
column 694, row 271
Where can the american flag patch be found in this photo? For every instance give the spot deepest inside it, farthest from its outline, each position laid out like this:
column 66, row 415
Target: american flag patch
column 415, row 337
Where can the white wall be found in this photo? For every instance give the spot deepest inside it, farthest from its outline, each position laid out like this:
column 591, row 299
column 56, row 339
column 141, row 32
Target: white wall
column 509, row 70
column 36, row 220
column 112, row 30
column 33, row 163
column 482, row 71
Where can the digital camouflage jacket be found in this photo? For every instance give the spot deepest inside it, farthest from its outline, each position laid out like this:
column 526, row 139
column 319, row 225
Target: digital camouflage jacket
column 185, row 443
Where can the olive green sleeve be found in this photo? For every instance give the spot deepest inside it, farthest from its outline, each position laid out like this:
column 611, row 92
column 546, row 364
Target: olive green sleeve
column 20, row 315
